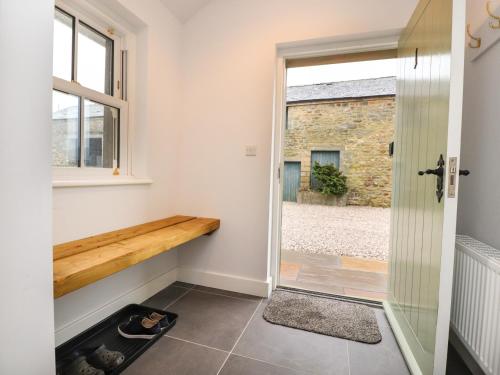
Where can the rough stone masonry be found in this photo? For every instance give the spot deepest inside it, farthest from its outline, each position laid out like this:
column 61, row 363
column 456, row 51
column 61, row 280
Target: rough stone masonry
column 355, row 118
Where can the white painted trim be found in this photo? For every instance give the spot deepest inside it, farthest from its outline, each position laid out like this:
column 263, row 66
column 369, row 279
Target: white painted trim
column 137, row 295
column 110, row 181
column 342, row 44
column 374, row 41
column 233, row 283
column 450, row 204
column 411, row 362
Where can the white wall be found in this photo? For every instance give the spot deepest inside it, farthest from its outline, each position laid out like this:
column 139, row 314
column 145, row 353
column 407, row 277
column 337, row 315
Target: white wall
column 229, row 64
column 25, row 191
column 479, row 198
column 80, row 212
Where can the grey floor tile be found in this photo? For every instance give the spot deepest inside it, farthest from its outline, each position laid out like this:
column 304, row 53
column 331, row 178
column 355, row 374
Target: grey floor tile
column 181, row 284
column 209, row 319
column 165, row 297
column 383, row 358
column 171, row 356
column 293, row 348
column 237, row 365
column 226, row 293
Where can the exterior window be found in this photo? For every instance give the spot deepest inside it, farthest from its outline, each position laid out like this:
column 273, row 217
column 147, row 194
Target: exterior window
column 87, row 110
column 99, row 133
column 95, row 60
column 63, row 45
column 65, row 130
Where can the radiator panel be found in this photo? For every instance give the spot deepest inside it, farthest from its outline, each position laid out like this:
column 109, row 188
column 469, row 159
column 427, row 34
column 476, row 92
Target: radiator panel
column 475, row 315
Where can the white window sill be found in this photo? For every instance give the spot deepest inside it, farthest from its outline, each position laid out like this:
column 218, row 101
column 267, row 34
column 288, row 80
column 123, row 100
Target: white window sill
column 89, row 182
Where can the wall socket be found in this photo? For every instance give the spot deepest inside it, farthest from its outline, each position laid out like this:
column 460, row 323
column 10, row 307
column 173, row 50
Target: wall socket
column 251, row 150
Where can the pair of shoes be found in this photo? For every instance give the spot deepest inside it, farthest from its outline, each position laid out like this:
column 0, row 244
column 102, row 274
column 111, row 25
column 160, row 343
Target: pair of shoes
column 96, row 362
column 143, row 327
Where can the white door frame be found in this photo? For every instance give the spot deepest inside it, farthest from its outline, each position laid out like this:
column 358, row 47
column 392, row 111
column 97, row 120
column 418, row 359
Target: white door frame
column 375, row 41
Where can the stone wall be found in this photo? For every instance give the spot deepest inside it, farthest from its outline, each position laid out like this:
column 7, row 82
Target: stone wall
column 360, row 129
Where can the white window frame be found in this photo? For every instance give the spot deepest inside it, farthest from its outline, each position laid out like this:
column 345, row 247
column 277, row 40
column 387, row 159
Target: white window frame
column 115, row 100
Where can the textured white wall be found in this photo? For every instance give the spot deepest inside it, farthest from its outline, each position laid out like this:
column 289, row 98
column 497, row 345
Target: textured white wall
column 80, row 212
column 479, row 198
column 228, row 66
column 27, row 345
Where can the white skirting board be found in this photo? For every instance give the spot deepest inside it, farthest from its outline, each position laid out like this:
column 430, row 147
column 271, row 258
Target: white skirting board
column 210, row 279
column 233, row 283
column 136, row 295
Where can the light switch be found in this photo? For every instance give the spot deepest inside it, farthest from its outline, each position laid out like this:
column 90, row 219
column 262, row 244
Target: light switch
column 251, row 150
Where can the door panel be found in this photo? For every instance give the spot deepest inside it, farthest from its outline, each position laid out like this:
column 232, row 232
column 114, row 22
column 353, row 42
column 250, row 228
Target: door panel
column 291, row 181
column 427, row 127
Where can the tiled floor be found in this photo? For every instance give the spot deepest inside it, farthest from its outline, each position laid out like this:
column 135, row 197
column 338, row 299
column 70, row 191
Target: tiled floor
column 348, row 276
column 221, row 332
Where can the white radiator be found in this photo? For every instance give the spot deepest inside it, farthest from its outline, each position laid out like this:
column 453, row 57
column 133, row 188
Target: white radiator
column 475, row 314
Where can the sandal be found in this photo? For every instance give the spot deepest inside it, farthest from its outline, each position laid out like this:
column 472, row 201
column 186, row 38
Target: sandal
column 105, row 359
column 80, row 366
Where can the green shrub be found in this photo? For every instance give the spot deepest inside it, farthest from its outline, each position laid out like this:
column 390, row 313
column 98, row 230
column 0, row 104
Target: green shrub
column 331, row 180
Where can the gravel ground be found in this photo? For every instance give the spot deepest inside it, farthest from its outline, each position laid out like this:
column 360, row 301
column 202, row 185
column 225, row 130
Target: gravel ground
column 353, row 230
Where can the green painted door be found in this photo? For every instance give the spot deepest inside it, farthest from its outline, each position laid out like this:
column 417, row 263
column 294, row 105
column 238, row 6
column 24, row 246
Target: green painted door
column 429, row 100
column 291, row 181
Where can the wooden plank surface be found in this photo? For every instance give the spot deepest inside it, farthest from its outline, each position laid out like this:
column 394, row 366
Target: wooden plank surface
column 81, row 269
column 342, row 58
column 75, row 247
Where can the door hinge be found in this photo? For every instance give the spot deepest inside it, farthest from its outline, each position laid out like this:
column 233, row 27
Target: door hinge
column 279, row 173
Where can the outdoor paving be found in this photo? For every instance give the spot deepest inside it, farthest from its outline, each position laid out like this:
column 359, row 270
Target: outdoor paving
column 336, row 250
column 354, row 231
column 348, row 276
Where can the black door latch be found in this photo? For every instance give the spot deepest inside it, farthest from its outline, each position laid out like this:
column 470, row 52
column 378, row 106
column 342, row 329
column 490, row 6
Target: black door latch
column 439, row 172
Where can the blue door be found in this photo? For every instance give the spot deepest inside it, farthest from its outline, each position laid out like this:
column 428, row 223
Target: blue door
column 323, row 158
column 291, row 181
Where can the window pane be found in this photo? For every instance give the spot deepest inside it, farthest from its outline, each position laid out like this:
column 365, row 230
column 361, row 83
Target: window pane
column 99, row 124
column 95, row 60
column 63, row 45
column 65, row 130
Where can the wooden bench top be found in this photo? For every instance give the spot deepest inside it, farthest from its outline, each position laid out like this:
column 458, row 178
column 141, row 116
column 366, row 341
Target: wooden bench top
column 82, row 262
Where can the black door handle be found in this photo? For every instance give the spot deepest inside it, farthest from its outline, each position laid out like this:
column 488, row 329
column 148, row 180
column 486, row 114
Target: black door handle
column 439, row 172
column 464, row 172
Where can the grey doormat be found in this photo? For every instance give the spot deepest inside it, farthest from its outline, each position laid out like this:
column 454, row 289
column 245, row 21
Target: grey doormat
column 327, row 316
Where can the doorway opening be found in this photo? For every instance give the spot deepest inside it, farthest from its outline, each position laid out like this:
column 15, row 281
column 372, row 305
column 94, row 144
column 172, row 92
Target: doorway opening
column 337, row 171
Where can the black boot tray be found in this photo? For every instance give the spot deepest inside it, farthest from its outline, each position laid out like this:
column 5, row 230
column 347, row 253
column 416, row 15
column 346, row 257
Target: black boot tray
column 106, row 332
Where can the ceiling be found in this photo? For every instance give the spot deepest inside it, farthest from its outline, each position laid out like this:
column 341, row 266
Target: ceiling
column 184, row 9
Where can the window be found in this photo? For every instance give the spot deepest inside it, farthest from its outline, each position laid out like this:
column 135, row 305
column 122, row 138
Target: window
column 88, row 111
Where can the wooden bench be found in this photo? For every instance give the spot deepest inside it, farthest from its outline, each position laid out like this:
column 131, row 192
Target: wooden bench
column 82, row 262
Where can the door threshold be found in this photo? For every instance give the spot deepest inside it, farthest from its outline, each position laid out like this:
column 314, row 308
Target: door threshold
column 367, row 302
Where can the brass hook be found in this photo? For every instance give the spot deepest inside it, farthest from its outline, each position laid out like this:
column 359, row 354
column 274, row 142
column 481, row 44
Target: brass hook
column 495, row 17
column 477, row 40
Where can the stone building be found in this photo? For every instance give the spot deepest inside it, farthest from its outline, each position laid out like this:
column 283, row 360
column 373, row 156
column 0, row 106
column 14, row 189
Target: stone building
column 349, row 124
column 98, row 132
